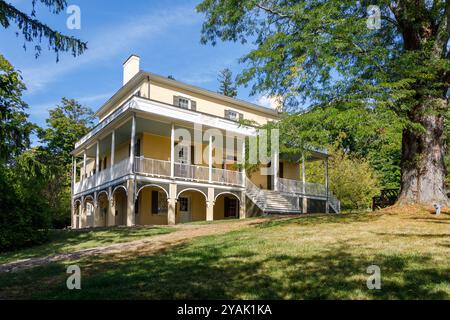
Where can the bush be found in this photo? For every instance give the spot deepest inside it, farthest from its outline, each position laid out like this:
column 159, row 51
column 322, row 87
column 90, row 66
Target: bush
column 24, row 215
column 351, row 179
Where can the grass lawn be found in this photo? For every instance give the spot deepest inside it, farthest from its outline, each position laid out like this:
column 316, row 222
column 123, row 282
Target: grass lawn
column 310, row 257
column 65, row 241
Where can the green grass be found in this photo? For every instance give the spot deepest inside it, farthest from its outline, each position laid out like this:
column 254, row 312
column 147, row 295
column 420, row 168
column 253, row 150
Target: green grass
column 66, row 241
column 315, row 257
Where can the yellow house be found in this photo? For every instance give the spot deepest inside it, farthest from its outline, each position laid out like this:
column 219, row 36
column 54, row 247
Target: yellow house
column 165, row 152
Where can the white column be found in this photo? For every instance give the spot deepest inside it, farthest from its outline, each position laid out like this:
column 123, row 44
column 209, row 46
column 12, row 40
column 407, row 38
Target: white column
column 84, row 164
column 210, row 158
column 172, row 151
column 244, row 174
column 97, row 162
column 275, row 164
column 327, row 208
column 133, row 141
column 210, row 205
column 172, row 204
column 305, row 201
column 74, row 173
column 113, row 151
column 303, row 174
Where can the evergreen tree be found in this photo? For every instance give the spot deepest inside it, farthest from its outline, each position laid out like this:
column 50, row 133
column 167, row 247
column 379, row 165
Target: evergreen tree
column 226, row 84
column 34, row 30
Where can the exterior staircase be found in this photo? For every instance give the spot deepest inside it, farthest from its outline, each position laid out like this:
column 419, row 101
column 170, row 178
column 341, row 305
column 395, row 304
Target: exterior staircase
column 269, row 201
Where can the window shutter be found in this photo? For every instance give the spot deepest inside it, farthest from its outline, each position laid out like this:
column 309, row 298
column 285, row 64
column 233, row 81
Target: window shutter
column 227, row 114
column 155, row 202
column 241, row 116
column 176, row 101
column 193, row 105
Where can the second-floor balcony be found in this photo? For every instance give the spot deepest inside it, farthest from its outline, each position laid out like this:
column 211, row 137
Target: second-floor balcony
column 160, row 169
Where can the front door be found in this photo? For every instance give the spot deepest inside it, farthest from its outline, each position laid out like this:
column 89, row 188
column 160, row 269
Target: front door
column 185, row 209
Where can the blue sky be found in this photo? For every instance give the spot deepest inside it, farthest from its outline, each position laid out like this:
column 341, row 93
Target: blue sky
column 165, row 34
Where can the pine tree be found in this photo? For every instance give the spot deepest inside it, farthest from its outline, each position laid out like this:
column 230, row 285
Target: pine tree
column 34, row 30
column 226, row 84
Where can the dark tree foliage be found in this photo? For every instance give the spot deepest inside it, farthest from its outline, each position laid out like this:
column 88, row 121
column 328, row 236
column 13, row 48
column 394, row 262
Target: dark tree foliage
column 14, row 126
column 34, row 30
column 68, row 122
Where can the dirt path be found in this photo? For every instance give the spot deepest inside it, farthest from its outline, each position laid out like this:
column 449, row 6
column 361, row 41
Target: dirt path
column 150, row 244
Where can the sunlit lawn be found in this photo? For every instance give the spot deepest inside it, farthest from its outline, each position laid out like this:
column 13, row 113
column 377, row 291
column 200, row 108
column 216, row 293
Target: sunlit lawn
column 312, row 257
column 66, row 241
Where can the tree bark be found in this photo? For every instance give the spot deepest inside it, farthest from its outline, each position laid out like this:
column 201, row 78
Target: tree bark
column 423, row 152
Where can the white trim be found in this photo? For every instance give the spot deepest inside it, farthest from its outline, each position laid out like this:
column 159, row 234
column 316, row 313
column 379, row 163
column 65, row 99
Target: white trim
column 192, row 189
column 186, row 115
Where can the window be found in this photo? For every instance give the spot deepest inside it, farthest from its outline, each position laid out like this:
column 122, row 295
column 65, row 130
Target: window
column 184, row 204
column 183, row 103
column 159, row 202
column 233, row 115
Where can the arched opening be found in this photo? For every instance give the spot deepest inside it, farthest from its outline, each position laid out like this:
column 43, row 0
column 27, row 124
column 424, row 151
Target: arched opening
column 88, row 212
column 119, row 209
column 151, row 206
column 191, row 206
column 77, row 214
column 101, row 215
column 226, row 206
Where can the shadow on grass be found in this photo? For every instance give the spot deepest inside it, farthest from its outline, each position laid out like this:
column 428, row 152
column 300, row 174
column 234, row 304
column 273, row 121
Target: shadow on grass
column 63, row 241
column 317, row 219
column 224, row 268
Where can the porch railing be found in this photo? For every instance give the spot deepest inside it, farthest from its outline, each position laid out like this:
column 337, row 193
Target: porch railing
column 160, row 168
column 191, row 172
column 152, row 167
column 227, row 176
column 296, row 186
column 120, row 169
column 308, row 189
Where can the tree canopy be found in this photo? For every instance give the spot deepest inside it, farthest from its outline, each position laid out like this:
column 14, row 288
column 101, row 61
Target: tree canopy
column 326, row 53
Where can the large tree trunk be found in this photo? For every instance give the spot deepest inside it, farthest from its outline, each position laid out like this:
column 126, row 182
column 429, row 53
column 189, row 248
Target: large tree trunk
column 423, row 151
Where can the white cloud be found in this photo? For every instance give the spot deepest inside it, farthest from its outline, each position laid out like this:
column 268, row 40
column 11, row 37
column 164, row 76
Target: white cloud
column 111, row 41
column 267, row 101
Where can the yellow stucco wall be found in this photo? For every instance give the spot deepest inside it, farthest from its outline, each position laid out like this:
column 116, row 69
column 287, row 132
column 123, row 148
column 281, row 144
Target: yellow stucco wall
column 155, row 147
column 165, row 93
column 145, row 215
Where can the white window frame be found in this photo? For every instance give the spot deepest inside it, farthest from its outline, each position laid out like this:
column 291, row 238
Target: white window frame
column 188, row 102
column 233, row 115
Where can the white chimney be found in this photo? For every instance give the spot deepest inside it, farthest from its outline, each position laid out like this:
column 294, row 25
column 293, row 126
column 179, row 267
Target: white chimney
column 131, row 68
